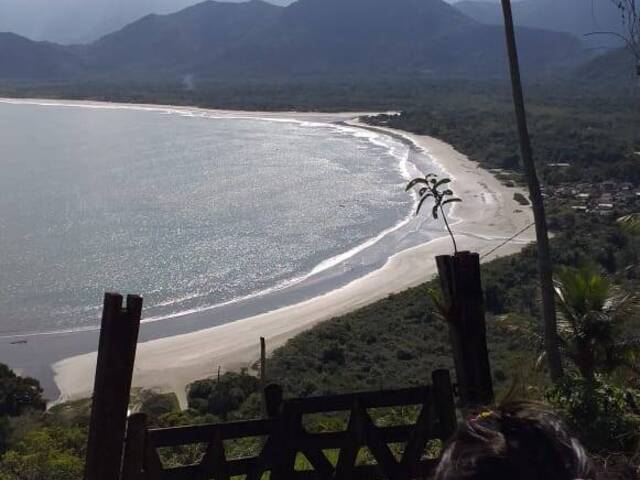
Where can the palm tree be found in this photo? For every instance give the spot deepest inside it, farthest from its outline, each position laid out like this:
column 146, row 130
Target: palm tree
column 545, row 269
column 591, row 323
column 432, row 189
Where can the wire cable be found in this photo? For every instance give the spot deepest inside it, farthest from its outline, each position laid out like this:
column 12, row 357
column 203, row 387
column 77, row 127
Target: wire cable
column 508, row 240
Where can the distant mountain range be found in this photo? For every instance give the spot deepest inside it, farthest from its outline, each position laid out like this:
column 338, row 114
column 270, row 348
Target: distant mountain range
column 310, row 37
column 81, row 21
column 578, row 17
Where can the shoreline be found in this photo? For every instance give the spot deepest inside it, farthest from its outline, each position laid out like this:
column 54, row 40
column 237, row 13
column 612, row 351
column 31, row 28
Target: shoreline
column 487, row 218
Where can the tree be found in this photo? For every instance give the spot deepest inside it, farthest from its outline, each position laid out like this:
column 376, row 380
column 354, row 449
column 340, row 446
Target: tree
column 18, row 394
column 631, row 20
column 592, row 321
column 431, row 188
column 46, row 454
column 545, row 270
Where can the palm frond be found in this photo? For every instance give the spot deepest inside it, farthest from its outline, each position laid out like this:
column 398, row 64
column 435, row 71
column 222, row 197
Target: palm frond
column 420, row 203
column 414, row 182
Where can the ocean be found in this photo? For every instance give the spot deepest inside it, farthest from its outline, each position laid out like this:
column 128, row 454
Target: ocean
column 193, row 210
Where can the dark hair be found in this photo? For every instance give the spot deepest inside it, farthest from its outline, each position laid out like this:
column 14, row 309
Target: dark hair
column 516, row 440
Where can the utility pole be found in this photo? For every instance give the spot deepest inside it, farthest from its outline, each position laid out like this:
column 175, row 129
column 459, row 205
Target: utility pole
column 545, row 269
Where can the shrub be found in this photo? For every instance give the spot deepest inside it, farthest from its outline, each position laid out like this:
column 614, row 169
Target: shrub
column 521, row 199
column 18, row 394
column 601, row 415
column 224, row 396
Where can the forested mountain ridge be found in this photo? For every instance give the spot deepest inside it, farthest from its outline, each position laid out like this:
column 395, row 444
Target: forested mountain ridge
column 191, row 36
column 577, row 17
column 327, row 37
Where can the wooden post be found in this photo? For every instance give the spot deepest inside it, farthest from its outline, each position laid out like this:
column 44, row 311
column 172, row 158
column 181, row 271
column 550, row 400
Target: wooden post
column 463, row 299
column 134, row 449
column 114, row 371
column 444, row 403
column 263, row 374
column 273, row 400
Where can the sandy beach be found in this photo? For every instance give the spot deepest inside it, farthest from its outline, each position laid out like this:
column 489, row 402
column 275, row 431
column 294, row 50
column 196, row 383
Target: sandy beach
column 488, row 217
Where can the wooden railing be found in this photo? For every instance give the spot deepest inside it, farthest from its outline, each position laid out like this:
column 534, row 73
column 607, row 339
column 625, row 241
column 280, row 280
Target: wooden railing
column 284, row 431
column 285, row 437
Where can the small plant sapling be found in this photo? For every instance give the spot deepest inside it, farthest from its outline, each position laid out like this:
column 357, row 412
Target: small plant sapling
column 431, row 186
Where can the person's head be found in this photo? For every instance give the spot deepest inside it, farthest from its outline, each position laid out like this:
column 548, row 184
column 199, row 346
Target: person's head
column 517, row 440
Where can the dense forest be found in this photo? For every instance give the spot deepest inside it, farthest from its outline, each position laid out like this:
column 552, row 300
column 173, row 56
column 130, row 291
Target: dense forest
column 400, row 340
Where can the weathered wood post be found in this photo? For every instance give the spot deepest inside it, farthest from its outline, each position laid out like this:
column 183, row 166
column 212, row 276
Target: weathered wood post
column 263, row 375
column 464, row 302
column 273, row 397
column 444, row 402
column 273, row 400
column 135, row 445
column 114, row 371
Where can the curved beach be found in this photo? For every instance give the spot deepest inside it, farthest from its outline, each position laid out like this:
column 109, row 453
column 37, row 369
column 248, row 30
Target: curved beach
column 485, row 220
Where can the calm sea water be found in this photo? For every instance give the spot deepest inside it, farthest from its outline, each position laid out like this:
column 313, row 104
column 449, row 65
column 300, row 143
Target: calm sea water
column 188, row 210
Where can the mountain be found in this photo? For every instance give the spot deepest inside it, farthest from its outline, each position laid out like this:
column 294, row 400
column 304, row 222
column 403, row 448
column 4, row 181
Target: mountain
column 310, row 37
column 81, row 21
column 22, row 58
column 617, row 68
column 175, row 42
column 430, row 36
column 316, row 36
column 578, row 17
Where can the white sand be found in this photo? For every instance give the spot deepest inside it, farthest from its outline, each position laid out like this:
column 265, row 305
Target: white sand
column 488, row 217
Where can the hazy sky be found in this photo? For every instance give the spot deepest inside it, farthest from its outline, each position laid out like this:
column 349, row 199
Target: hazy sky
column 79, row 21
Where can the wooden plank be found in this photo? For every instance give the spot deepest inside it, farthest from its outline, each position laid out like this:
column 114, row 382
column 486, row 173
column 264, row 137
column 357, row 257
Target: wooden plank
column 319, row 462
column 336, row 440
column 420, row 436
column 424, row 469
column 349, row 453
column 379, row 447
column 265, row 461
column 114, row 370
column 176, row 436
column 379, row 399
column 444, row 403
column 133, row 462
column 273, row 398
column 152, row 464
column 291, row 428
column 214, row 462
column 238, row 467
column 263, row 376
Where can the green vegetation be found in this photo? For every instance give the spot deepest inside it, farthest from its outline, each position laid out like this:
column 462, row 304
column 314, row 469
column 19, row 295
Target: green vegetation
column 596, row 141
column 17, row 394
column 225, row 397
column 592, row 323
column 521, row 199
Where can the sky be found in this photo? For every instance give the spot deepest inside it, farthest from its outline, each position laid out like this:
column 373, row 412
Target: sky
column 80, row 21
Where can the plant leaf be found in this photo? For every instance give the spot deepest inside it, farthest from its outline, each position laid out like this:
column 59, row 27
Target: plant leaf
column 415, row 182
column 444, row 181
column 451, row 200
column 422, row 200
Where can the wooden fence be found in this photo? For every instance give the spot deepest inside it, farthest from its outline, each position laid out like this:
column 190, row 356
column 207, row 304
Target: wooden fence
column 283, row 430
column 285, row 438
